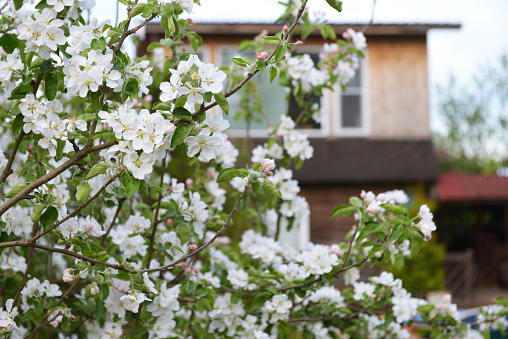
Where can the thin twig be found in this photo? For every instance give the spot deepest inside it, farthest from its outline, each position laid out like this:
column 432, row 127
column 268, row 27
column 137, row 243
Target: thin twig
column 251, row 74
column 120, row 203
column 156, row 215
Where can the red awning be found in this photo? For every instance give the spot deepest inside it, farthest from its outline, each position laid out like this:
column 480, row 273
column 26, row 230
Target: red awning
column 471, row 187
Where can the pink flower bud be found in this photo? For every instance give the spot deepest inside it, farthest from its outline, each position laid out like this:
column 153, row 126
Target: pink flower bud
column 30, row 156
column 184, row 264
column 428, row 237
column 190, row 21
column 169, row 221
column 212, row 206
column 285, row 28
column 262, row 56
column 189, row 182
column 381, row 197
column 363, row 194
column 193, row 247
column 119, row 156
column 299, row 43
column 377, row 254
column 94, row 290
column 171, row 188
column 187, row 269
column 148, row 98
column 67, row 275
column 208, row 281
column 392, row 202
column 195, row 270
column 30, row 147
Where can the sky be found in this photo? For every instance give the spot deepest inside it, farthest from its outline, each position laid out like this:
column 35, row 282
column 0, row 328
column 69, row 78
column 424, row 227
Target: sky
column 481, row 38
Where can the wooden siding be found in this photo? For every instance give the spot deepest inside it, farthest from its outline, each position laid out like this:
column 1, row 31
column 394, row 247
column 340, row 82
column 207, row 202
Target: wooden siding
column 323, row 199
column 398, row 86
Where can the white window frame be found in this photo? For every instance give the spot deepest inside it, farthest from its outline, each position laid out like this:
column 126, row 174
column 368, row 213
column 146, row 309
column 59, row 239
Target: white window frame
column 263, row 133
column 336, row 102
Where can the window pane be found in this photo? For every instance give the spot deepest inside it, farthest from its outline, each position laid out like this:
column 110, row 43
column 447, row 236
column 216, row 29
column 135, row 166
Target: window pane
column 295, row 110
column 356, row 81
column 273, row 96
column 351, row 111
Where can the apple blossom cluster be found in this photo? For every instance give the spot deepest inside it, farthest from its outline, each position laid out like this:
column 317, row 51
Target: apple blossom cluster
column 107, row 233
column 192, row 78
column 292, row 142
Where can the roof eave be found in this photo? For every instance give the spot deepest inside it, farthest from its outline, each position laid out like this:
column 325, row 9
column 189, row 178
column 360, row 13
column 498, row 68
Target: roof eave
column 232, row 28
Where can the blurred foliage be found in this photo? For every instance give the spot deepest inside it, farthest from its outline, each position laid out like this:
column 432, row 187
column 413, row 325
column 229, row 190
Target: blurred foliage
column 425, row 272
column 475, row 118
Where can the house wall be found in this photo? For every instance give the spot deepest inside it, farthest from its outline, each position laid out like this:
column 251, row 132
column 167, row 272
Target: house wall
column 323, row 199
column 398, row 85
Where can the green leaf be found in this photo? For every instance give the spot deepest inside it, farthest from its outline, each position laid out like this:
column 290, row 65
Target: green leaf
column 271, row 188
column 281, row 51
column 182, row 113
column 49, row 216
column 203, row 305
column 394, row 209
column 181, row 132
column 66, row 324
column 17, row 123
column 230, row 173
column 51, row 85
column 95, row 99
column 416, row 243
column 143, row 188
column 136, row 10
column 168, row 25
column 163, row 106
column 273, row 73
column 195, row 40
column 9, row 42
column 101, row 134
column 240, row 62
column 36, row 213
column 148, row 10
column 396, row 232
column 130, row 184
column 503, row 301
column 356, row 202
column 86, row 116
column 18, row 4
column 16, row 189
column 83, row 192
column 367, row 230
column 343, row 211
column 131, row 87
column 183, row 232
column 180, row 102
column 96, row 170
column 336, row 4
column 221, row 100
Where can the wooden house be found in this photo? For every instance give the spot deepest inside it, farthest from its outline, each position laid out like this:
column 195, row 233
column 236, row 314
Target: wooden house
column 376, row 134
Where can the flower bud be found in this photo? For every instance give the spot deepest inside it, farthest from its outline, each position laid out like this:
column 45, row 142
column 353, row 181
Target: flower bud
column 381, row 197
column 184, row 264
column 67, row 275
column 189, row 182
column 94, row 290
column 262, row 56
column 190, row 21
column 169, row 221
column 193, row 247
column 285, row 28
column 299, row 43
column 30, row 156
column 187, row 269
column 377, row 254
column 148, row 98
column 30, row 147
